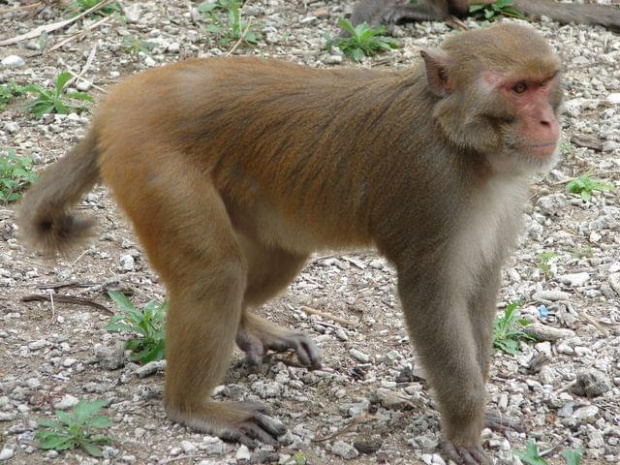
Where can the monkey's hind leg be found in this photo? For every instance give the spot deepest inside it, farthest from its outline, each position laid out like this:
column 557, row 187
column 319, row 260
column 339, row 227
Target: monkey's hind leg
column 270, row 270
column 186, row 231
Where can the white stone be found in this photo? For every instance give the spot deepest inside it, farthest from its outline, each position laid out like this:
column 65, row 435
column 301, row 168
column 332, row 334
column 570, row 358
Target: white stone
column 13, row 60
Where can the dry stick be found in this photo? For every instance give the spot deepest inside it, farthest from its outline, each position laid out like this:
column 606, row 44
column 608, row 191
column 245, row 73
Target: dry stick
column 89, row 60
column 185, row 457
column 81, row 33
column 346, row 429
column 329, row 316
column 54, row 26
column 593, row 322
column 232, row 50
column 18, row 8
column 91, row 83
column 65, row 299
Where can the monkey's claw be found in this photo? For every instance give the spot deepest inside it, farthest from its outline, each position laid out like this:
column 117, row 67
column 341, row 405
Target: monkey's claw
column 255, row 342
column 257, row 427
column 464, row 456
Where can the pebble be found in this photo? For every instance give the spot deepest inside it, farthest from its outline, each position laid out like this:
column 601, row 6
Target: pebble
column 6, row 453
column 188, row 447
column 359, row 356
column 591, row 383
column 66, row 402
column 11, row 127
column 13, row 60
column 243, row 453
column 575, row 279
column 551, row 296
column 128, row 263
column 344, row 450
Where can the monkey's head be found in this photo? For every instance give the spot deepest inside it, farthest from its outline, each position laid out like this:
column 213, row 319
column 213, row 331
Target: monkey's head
column 499, row 93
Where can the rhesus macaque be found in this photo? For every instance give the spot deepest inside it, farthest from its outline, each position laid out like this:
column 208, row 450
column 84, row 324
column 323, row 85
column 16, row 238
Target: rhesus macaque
column 397, row 11
column 233, row 170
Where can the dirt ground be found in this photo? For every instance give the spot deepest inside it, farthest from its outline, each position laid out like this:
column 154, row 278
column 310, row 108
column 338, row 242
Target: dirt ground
column 370, row 392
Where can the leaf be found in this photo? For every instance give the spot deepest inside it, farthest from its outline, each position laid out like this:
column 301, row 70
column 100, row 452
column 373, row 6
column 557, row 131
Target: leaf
column 100, row 422
column 91, row 448
column 61, row 81
column 80, row 96
column 572, row 456
column 121, row 300
column 83, row 410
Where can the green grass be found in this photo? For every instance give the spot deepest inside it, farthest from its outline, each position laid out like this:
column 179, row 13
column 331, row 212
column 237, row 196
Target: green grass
column 147, row 324
column 16, row 174
column 224, row 18
column 79, row 6
column 75, row 429
column 494, row 11
column 55, row 100
column 584, row 185
column 507, row 330
column 363, row 40
column 544, row 262
column 8, row 92
column 134, row 45
column 531, row 456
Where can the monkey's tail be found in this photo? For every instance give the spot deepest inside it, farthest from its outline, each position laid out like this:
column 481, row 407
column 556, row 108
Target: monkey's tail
column 588, row 13
column 45, row 217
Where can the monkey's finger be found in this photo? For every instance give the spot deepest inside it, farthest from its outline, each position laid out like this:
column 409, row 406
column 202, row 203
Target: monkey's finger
column 254, row 431
column 463, row 456
column 273, row 426
column 235, row 435
column 307, row 353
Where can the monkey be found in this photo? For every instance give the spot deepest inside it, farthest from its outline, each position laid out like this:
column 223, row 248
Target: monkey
column 233, row 170
column 375, row 12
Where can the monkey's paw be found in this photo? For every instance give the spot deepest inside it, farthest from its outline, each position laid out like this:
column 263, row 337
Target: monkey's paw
column 256, row 341
column 464, row 456
column 245, row 422
column 258, row 426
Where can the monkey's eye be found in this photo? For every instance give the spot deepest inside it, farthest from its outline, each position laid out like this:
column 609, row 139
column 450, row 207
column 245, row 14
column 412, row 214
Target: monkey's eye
column 520, row 87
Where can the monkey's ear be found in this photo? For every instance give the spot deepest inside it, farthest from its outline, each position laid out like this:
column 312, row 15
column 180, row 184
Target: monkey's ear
column 436, row 62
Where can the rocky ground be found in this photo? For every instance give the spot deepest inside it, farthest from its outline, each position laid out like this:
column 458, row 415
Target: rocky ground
column 369, row 404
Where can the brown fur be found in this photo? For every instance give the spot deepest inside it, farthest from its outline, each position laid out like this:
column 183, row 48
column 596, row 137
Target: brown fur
column 234, row 170
column 397, row 11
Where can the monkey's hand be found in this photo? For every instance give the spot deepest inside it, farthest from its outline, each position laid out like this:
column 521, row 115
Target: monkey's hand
column 464, row 456
column 256, row 336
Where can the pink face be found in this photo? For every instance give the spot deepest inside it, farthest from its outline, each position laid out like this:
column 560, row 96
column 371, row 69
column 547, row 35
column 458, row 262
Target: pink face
column 531, row 97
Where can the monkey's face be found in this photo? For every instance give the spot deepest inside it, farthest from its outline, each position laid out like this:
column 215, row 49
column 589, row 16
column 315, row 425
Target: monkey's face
column 524, row 119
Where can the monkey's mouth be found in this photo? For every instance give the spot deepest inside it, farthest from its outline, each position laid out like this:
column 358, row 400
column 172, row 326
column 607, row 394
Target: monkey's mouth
column 541, row 151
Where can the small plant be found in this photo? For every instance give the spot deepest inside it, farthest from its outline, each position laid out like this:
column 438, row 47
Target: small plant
column 134, row 45
column 584, row 186
column 493, row 11
column 8, row 92
column 53, row 101
column 234, row 28
column 363, row 40
column 148, row 324
column 79, row 6
column 544, row 263
column 75, row 429
column 583, row 252
column 298, row 459
column 566, row 148
column 507, row 332
column 531, row 456
column 16, row 175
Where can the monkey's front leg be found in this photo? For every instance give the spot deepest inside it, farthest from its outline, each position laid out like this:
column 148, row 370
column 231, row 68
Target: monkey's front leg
column 442, row 335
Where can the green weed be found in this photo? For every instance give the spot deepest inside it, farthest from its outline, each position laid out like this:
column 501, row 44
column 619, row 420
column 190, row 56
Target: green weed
column 544, row 263
column 507, row 330
column 363, row 40
column 8, row 92
column 494, row 11
column 54, row 101
column 148, row 324
column 79, row 6
column 234, row 27
column 531, row 456
column 585, row 186
column 134, row 45
column 75, row 429
column 16, row 175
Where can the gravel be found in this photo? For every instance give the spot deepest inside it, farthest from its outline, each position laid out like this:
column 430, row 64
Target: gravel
column 370, row 404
